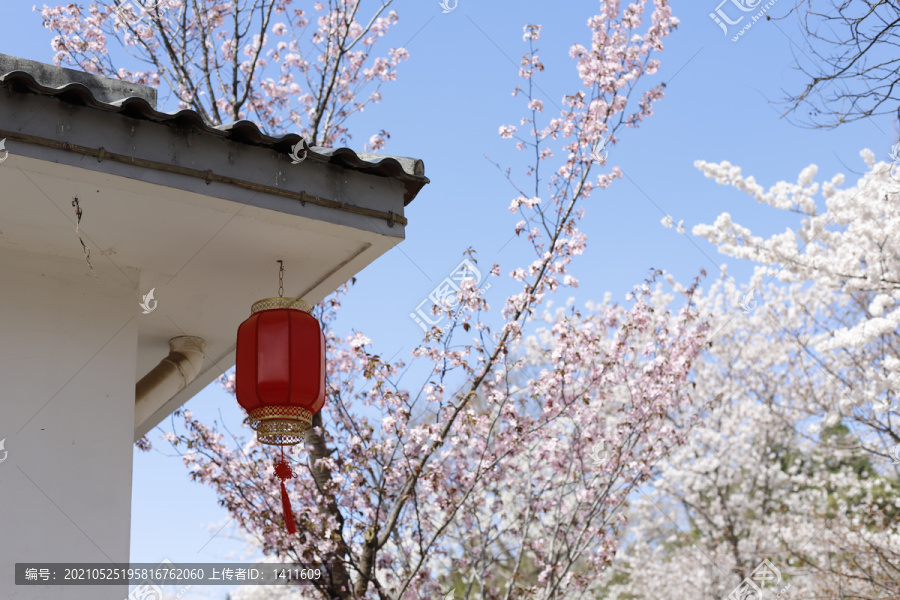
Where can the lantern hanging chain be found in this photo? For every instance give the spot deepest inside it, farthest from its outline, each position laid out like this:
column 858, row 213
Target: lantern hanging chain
column 280, row 278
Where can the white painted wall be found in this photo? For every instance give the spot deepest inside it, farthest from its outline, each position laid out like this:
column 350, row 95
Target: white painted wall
column 68, row 347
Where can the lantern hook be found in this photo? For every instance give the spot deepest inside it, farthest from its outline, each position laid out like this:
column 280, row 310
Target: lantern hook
column 280, row 278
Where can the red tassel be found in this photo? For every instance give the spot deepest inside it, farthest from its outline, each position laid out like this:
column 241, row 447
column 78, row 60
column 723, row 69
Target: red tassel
column 288, row 513
column 283, row 471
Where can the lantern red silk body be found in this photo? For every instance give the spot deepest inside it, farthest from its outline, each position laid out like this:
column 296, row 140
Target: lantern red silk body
column 280, row 376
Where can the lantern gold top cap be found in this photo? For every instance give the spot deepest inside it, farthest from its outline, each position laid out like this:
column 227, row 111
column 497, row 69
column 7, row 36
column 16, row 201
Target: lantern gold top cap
column 270, row 303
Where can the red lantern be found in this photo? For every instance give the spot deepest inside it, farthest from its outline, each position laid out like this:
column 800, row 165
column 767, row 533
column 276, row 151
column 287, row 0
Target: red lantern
column 280, row 376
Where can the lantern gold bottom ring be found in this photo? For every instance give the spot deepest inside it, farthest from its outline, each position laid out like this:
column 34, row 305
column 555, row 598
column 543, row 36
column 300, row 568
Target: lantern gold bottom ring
column 280, row 425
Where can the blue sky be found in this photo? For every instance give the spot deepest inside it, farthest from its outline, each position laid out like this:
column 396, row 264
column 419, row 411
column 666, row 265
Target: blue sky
column 446, row 107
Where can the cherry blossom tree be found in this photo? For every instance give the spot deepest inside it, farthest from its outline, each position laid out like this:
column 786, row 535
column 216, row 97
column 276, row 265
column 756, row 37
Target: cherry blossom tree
column 504, row 474
column 260, row 60
column 847, row 257
column 795, row 464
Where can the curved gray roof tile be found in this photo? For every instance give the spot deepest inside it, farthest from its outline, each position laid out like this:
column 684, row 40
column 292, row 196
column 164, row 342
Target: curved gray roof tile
column 410, row 171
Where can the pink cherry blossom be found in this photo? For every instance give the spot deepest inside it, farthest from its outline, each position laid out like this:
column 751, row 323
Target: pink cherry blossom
column 313, row 93
column 513, row 461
